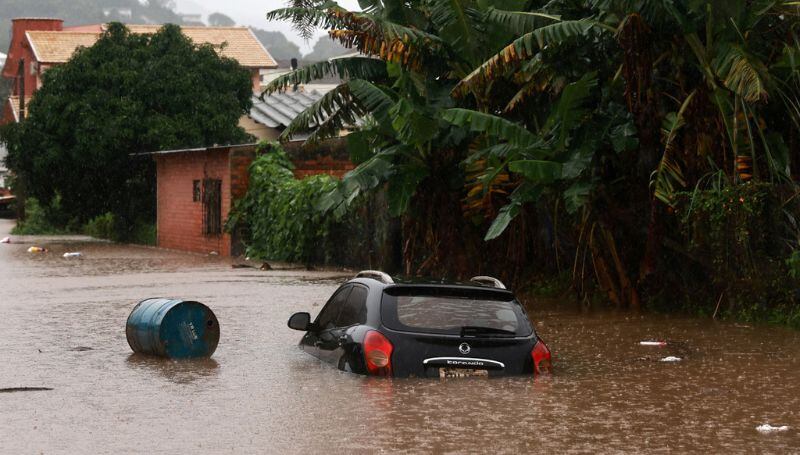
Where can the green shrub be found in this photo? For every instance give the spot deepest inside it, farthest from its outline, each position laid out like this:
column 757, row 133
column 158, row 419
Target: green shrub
column 102, row 227
column 144, row 234
column 279, row 211
column 37, row 219
column 734, row 235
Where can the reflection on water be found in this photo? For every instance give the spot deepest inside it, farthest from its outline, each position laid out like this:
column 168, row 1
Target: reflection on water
column 64, row 329
column 179, row 371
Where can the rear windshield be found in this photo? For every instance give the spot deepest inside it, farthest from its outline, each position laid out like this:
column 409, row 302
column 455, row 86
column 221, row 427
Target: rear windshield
column 456, row 315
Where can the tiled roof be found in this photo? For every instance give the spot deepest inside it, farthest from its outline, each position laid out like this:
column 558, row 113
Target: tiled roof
column 58, row 47
column 241, row 44
column 279, row 109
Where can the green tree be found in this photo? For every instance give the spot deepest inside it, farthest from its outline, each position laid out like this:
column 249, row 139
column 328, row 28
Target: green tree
column 127, row 94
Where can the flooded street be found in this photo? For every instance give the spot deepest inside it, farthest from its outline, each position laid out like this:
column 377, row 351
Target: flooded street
column 64, row 329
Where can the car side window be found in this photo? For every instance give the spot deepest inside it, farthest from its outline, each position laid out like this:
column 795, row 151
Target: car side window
column 327, row 317
column 355, row 309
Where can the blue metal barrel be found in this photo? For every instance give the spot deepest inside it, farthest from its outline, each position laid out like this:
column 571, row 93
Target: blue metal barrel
column 172, row 328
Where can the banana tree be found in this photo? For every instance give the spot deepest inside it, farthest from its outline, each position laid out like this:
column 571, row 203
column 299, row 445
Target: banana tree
column 411, row 55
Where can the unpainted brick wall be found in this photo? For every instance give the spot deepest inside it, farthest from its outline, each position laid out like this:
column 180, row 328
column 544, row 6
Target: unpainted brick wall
column 180, row 219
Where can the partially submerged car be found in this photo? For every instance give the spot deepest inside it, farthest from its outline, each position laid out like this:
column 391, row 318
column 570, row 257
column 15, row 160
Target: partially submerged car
column 372, row 325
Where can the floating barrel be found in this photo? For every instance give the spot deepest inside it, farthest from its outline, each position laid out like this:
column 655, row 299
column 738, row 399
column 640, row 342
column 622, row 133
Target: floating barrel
column 172, row 328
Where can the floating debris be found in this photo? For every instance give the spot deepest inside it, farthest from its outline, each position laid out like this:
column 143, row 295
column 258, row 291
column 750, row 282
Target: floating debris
column 81, row 349
column 671, row 359
column 652, row 343
column 6, row 240
column 37, row 249
column 24, row 389
column 767, row 428
column 74, row 255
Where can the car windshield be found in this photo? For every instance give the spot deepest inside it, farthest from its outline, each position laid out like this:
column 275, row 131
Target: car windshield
column 465, row 315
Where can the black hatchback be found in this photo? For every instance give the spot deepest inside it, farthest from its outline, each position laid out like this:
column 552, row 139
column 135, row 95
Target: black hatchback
column 372, row 325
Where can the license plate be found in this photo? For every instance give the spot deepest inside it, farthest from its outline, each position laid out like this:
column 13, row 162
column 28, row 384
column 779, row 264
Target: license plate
column 462, row 373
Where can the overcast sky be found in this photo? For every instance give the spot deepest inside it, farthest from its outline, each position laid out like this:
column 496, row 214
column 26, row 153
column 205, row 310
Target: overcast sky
column 251, row 13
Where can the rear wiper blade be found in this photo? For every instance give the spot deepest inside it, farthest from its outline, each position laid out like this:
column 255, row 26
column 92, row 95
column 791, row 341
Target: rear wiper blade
column 471, row 330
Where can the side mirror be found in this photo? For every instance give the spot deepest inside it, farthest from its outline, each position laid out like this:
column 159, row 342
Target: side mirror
column 300, row 321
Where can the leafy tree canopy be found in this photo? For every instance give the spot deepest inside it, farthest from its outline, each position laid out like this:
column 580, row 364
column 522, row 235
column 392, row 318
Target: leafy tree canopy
column 594, row 115
column 127, row 94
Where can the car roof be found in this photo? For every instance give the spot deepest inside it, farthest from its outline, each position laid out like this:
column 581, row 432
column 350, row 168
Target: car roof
column 423, row 285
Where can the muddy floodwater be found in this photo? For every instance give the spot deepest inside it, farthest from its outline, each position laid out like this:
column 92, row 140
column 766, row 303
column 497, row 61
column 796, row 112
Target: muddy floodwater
column 73, row 386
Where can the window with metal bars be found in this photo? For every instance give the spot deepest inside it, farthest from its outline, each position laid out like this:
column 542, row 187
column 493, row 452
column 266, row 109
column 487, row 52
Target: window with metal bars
column 212, row 207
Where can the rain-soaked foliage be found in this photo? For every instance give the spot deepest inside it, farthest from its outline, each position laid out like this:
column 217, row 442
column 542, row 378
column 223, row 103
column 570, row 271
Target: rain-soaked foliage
column 595, row 138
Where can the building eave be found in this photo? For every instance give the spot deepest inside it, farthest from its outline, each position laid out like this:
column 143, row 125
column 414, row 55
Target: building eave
column 198, row 149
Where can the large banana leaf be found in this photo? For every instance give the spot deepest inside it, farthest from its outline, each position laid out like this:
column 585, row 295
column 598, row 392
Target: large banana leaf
column 491, row 125
column 523, row 48
column 340, row 108
column 537, row 171
column 361, row 67
column 668, row 174
column 520, row 22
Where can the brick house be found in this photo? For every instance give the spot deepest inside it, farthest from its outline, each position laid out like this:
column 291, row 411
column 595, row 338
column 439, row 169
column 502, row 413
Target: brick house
column 196, row 189
column 38, row 44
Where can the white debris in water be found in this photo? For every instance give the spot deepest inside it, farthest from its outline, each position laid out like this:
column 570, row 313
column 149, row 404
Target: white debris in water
column 767, row 428
column 6, row 240
column 73, row 255
column 671, row 359
column 652, row 343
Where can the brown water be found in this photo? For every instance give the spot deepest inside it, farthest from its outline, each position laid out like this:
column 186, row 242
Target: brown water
column 63, row 328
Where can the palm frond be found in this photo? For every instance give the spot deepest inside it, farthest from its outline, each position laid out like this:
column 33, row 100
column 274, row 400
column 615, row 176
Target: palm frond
column 338, row 109
column 491, row 125
column 668, row 174
column 521, row 49
column 568, row 111
column 345, row 68
column 455, row 25
column 743, row 74
column 370, row 34
column 534, row 76
column 519, row 22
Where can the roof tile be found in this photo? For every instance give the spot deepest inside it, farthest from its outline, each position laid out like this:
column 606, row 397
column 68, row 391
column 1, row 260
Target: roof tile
column 240, row 43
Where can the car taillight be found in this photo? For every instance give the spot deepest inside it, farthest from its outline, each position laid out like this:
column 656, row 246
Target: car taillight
column 542, row 362
column 378, row 354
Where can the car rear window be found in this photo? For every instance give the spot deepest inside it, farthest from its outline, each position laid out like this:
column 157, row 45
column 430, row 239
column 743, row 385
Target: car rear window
column 448, row 314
